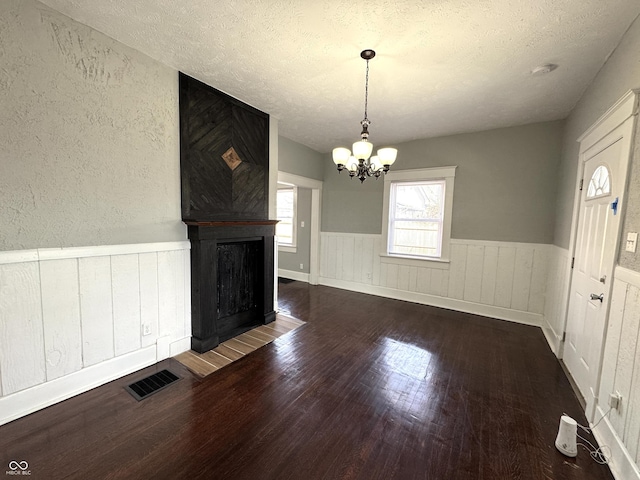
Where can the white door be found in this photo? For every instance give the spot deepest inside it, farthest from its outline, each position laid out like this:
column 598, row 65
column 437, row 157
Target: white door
column 605, row 166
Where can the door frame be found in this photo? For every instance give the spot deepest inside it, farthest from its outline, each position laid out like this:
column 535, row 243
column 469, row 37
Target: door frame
column 624, row 110
column 316, row 213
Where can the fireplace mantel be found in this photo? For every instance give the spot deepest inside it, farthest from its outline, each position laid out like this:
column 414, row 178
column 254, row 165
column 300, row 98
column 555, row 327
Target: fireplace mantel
column 194, row 223
column 232, row 268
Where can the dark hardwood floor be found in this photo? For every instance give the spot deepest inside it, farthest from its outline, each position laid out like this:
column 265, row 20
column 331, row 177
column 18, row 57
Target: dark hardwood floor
column 369, row 388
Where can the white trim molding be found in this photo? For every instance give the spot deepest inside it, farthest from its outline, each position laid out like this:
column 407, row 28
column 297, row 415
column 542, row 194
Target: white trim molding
column 293, row 275
column 46, row 394
column 421, row 174
column 41, row 254
column 615, row 116
column 316, row 214
column 622, row 466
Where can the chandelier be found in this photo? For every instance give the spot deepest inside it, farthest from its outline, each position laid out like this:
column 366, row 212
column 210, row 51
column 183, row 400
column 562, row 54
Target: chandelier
column 360, row 163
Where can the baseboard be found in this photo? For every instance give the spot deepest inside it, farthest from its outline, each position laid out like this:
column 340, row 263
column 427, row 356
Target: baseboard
column 46, row 394
column 293, row 275
column 621, row 464
column 179, row 346
column 517, row 316
column 552, row 339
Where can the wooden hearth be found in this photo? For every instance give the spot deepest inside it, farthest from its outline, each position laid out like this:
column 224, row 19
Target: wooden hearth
column 232, row 279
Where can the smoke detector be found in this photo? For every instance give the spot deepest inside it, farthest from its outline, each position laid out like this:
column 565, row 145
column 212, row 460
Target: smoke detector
column 544, row 69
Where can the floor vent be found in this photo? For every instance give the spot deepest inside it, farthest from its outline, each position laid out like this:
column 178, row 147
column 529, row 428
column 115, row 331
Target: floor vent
column 152, row 384
column 285, row 280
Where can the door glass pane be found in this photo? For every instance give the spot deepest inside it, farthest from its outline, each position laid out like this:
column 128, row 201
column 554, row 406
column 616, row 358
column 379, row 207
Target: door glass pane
column 599, row 184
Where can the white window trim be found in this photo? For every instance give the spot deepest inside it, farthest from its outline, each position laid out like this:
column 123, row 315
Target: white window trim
column 291, row 247
column 421, row 174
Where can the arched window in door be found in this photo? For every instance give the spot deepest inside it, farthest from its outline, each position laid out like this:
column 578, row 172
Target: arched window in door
column 599, row 185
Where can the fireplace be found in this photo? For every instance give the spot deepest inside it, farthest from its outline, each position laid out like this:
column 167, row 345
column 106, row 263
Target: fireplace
column 232, row 279
column 224, row 170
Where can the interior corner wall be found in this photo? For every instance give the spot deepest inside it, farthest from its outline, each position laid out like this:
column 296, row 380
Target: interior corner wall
column 505, row 185
column 90, row 136
column 299, row 159
column 620, row 73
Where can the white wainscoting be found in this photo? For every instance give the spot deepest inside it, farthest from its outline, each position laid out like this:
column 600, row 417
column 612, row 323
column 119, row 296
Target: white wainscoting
column 620, row 431
column 498, row 279
column 555, row 306
column 71, row 319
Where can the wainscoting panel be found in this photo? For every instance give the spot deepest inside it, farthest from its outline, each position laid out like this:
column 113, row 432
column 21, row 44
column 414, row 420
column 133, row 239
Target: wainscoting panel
column 126, row 303
column 509, row 276
column 22, row 339
column 61, row 317
column 96, row 309
column 65, row 310
column 621, row 373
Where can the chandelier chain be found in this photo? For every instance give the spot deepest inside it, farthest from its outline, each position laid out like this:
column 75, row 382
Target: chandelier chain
column 366, row 93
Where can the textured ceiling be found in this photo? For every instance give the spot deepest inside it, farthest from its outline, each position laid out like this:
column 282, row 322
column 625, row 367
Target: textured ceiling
column 442, row 66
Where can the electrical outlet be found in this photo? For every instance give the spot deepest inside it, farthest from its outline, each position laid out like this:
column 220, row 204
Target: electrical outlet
column 146, row 329
column 302, row 266
column 614, row 400
column 632, row 241
column 302, row 224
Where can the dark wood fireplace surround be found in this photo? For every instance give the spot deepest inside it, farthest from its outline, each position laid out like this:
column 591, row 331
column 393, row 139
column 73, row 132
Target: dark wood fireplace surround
column 224, row 169
column 232, row 279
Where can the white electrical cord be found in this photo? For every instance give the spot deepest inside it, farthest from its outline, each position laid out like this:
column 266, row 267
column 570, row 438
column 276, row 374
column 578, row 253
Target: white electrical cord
column 597, row 454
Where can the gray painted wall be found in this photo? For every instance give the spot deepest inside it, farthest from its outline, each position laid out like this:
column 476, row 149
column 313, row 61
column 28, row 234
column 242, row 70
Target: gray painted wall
column 298, row 159
column 292, row 261
column 90, row 139
column 620, row 73
column 505, row 187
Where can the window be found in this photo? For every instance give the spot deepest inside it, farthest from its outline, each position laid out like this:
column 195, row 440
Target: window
column 418, row 206
column 286, row 226
column 599, row 185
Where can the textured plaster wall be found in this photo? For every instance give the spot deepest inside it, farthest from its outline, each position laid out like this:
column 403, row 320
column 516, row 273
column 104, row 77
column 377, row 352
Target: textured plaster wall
column 505, row 186
column 619, row 74
column 89, row 136
column 631, row 219
column 292, row 261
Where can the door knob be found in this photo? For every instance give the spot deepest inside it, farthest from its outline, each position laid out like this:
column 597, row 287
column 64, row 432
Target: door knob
column 597, row 297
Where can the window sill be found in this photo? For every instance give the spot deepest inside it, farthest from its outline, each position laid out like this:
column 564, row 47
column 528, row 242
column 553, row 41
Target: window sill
column 440, row 263
column 287, row 249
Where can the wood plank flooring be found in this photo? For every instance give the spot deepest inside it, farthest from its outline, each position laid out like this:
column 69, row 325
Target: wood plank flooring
column 203, row 364
column 369, row 388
